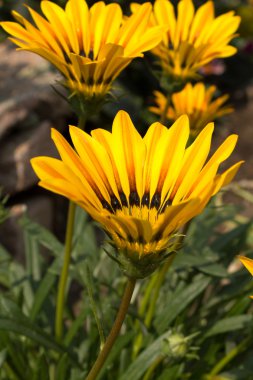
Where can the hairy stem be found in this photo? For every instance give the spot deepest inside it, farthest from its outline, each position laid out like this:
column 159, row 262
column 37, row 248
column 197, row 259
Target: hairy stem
column 114, row 331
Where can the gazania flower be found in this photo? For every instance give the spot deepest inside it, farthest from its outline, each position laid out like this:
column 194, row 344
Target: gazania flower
column 90, row 47
column 195, row 101
column 141, row 190
column 193, row 38
column 248, row 263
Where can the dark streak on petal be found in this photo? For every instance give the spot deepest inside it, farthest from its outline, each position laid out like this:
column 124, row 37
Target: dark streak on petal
column 115, row 203
column 107, row 206
column 145, row 200
column 156, row 201
column 123, row 199
column 134, row 199
column 167, row 204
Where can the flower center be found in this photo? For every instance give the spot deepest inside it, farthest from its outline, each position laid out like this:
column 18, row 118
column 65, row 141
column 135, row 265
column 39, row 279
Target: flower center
column 142, row 208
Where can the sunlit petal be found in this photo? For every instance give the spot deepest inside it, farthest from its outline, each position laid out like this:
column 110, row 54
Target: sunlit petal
column 141, row 190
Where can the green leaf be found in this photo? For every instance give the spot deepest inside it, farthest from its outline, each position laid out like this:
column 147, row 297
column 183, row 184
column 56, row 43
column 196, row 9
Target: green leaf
column 180, row 301
column 207, row 262
column 192, row 258
column 215, row 270
column 8, row 308
column 77, row 374
column 18, row 363
column 32, row 254
column 172, row 373
column 43, row 290
column 3, row 354
column 5, row 260
column 63, row 368
column 118, row 346
column 229, row 324
column 74, row 328
column 232, row 240
column 145, row 359
column 4, row 254
column 84, row 239
column 41, row 371
column 25, row 328
column 41, row 235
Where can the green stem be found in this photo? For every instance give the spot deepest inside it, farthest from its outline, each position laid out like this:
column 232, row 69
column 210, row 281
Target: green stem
column 159, row 281
column 88, row 283
column 227, row 358
column 161, row 276
column 143, row 306
column 61, row 294
column 152, row 368
column 114, row 331
column 64, row 273
column 147, row 295
column 153, row 292
column 156, row 282
column 10, row 372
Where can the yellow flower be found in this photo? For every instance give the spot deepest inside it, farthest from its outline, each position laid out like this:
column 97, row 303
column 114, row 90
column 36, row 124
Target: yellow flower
column 90, row 47
column 248, row 263
column 141, row 190
column 195, row 101
column 193, row 38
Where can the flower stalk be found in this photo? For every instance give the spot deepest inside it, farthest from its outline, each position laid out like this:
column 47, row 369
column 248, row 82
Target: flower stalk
column 150, row 302
column 227, row 358
column 160, row 276
column 152, row 293
column 114, row 331
column 61, row 295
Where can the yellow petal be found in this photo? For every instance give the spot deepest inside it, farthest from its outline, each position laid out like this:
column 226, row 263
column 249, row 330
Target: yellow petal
column 194, row 160
column 129, row 153
column 71, row 159
column 95, row 159
column 78, row 15
column 248, row 263
column 226, row 177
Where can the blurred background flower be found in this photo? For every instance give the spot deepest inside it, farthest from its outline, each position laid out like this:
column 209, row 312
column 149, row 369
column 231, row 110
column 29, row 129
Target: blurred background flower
column 197, row 102
column 90, row 47
column 192, row 38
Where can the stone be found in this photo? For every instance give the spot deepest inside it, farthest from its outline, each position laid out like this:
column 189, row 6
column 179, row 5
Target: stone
column 29, row 107
column 16, row 173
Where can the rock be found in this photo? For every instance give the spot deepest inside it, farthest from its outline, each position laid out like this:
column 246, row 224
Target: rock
column 26, row 82
column 29, row 107
column 16, row 173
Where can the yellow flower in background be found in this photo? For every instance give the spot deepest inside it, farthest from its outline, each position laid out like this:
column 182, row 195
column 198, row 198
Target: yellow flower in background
column 248, row 263
column 90, row 47
column 195, row 101
column 193, row 38
column 141, row 190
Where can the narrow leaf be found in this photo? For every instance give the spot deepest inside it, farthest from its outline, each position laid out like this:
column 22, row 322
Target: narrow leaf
column 180, row 301
column 229, row 324
column 41, row 235
column 145, row 359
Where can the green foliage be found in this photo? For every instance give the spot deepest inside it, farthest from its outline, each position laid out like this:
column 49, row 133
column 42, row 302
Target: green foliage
column 202, row 306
